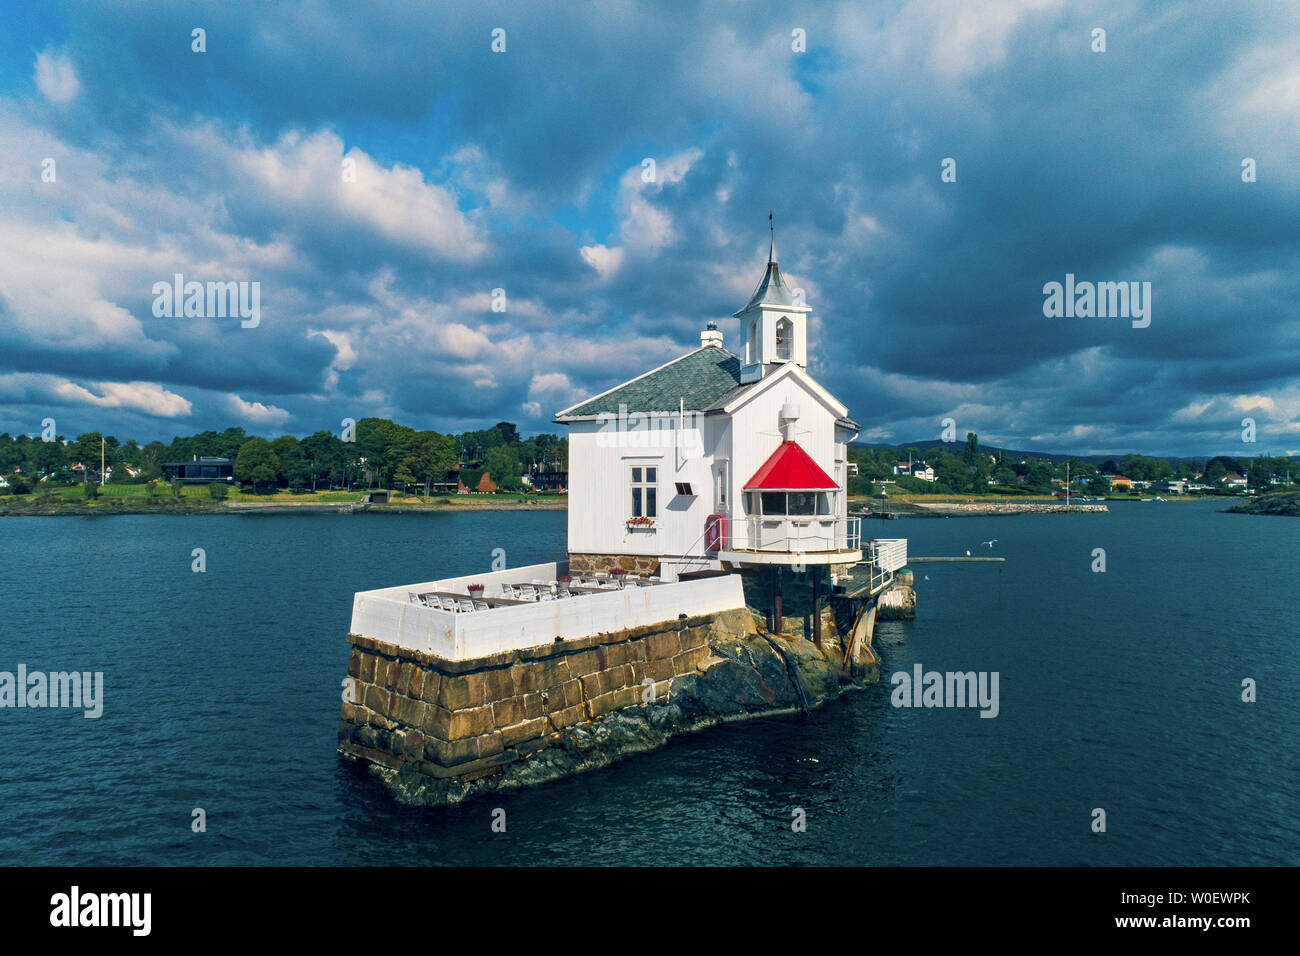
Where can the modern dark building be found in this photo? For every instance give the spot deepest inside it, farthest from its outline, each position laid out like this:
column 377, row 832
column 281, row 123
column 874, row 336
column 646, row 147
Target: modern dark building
column 204, row 470
column 552, row 479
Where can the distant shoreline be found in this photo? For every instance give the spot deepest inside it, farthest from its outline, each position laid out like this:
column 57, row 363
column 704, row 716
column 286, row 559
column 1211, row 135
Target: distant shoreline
column 978, row 509
column 31, row 508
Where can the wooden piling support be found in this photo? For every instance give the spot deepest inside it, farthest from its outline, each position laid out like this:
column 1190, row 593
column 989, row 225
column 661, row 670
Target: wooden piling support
column 851, row 645
column 776, row 603
column 817, row 608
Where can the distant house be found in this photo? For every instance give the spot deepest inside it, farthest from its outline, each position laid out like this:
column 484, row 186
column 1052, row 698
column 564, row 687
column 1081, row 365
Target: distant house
column 486, row 484
column 83, row 473
column 917, row 469
column 1177, row 486
column 450, row 483
column 1234, row 481
column 198, row 469
column 1119, row 481
column 551, row 478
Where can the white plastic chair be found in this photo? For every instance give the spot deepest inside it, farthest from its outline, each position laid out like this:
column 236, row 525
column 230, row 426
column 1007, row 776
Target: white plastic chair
column 528, row 593
column 482, row 606
column 466, row 605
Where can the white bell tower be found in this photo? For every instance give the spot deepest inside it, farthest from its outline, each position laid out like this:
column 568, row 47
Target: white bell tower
column 773, row 326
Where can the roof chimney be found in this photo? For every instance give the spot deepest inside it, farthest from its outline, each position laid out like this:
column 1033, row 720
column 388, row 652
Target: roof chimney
column 789, row 415
column 711, row 338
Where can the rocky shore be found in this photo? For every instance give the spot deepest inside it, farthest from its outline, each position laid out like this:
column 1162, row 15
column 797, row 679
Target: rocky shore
column 1282, row 503
column 1007, row 508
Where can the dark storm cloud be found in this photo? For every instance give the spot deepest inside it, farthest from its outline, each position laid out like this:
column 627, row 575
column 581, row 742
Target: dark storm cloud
column 927, row 296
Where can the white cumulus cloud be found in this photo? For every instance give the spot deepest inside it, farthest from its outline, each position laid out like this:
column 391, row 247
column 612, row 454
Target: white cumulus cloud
column 146, row 397
column 256, row 412
column 55, row 76
column 603, row 259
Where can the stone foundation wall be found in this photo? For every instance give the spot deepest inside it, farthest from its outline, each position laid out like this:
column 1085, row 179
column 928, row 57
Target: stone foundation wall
column 632, row 563
column 469, row 718
column 437, row 732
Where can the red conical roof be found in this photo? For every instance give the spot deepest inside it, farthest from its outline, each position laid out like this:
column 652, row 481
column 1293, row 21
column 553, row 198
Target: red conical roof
column 790, row 468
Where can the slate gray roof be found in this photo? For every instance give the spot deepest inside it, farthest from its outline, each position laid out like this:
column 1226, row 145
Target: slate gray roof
column 698, row 378
column 726, row 397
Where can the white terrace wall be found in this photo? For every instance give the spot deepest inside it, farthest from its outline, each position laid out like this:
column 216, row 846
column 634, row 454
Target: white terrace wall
column 388, row 615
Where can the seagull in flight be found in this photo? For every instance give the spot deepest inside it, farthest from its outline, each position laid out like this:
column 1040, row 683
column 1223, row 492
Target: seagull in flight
column 990, row 543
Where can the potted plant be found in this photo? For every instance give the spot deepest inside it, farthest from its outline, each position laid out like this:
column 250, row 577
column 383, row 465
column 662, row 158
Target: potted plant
column 563, row 578
column 618, row 574
column 476, row 590
column 641, row 521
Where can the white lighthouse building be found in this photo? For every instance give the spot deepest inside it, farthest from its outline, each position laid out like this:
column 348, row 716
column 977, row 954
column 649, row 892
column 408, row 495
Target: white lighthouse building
column 715, row 461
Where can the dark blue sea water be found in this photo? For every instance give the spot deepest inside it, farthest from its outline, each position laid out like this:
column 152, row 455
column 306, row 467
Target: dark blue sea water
column 1119, row 690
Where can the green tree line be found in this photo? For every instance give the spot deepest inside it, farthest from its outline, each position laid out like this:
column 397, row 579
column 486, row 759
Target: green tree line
column 975, row 469
column 382, row 453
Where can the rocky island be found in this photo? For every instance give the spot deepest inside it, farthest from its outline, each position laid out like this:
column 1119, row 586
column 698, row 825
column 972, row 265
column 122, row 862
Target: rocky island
column 1279, row 503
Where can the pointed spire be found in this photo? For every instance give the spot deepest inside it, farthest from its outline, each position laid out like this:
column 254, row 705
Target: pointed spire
column 772, row 290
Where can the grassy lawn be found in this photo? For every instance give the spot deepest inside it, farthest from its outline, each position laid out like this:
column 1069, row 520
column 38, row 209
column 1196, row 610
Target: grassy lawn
column 77, row 493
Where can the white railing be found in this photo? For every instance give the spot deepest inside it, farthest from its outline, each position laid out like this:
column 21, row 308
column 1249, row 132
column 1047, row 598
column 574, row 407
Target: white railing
column 889, row 554
column 797, row 533
column 882, row 557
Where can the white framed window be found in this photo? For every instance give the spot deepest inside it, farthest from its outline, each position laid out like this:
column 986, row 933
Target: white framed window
column 643, row 481
column 751, row 343
column 720, row 489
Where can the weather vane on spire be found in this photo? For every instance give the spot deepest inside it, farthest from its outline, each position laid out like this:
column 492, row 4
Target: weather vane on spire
column 771, row 250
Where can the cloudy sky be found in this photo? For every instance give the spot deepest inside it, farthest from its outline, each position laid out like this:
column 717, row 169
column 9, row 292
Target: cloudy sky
column 379, row 169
